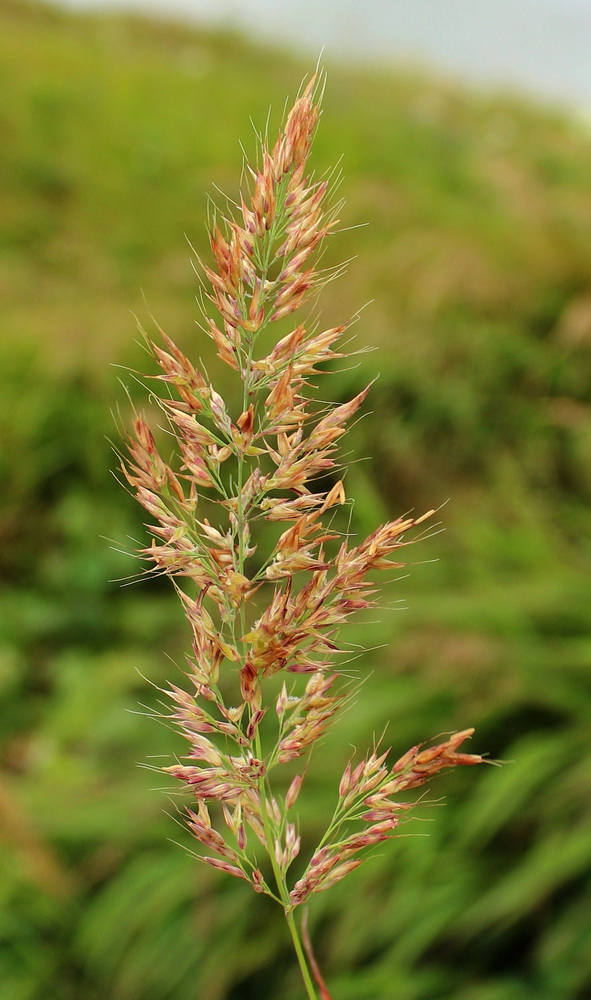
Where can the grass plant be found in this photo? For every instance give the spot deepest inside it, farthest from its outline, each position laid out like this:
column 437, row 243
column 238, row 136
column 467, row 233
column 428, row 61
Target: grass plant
column 274, row 461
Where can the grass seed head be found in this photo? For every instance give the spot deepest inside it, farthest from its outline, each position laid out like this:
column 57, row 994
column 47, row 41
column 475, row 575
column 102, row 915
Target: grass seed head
column 261, row 461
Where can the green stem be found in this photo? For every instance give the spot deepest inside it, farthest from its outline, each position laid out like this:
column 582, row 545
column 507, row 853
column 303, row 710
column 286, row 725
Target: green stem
column 295, row 937
column 282, row 888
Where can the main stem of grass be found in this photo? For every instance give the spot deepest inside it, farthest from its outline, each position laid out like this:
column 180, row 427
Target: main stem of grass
column 282, row 889
column 293, row 930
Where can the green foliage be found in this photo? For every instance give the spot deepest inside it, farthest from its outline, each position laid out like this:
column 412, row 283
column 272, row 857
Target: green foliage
column 477, row 257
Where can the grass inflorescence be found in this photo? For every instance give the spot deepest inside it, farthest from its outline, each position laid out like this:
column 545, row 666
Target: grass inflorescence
column 254, row 615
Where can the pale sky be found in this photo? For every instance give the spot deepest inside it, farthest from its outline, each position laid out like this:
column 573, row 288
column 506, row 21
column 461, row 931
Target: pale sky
column 542, row 47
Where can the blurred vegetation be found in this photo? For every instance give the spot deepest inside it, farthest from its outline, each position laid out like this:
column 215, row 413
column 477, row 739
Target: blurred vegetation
column 477, row 256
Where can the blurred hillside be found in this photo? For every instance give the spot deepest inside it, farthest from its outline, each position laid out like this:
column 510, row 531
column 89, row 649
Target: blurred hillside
column 476, row 262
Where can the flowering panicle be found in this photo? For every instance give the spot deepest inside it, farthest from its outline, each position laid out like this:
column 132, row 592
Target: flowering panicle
column 265, row 461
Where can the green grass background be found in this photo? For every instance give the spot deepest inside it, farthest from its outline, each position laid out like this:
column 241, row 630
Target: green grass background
column 476, row 262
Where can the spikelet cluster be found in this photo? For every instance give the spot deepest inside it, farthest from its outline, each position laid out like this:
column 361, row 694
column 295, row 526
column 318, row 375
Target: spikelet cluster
column 254, row 614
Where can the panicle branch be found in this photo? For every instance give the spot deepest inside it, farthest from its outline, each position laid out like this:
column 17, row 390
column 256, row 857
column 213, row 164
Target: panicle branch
column 368, row 795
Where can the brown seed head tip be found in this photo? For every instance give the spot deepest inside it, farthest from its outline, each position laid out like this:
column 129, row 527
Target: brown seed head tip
column 464, row 734
column 423, row 517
